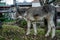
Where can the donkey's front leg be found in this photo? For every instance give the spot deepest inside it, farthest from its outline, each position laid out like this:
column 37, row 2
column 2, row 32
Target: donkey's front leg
column 28, row 27
column 35, row 29
column 49, row 29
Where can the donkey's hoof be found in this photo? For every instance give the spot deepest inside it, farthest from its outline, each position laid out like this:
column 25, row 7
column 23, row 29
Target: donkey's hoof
column 54, row 37
column 47, row 36
column 35, row 34
column 27, row 34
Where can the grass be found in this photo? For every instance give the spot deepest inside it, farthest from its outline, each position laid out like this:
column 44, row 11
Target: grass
column 12, row 32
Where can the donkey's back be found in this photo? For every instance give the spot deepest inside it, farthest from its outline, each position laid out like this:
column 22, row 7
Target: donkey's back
column 37, row 12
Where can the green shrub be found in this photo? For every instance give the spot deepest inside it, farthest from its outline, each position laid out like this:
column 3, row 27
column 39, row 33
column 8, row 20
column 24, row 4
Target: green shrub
column 58, row 24
column 22, row 23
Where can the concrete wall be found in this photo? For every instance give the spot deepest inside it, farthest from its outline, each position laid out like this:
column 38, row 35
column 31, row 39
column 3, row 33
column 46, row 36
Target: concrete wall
column 35, row 3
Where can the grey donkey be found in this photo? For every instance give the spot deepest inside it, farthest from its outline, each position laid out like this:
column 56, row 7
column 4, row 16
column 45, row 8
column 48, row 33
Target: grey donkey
column 35, row 14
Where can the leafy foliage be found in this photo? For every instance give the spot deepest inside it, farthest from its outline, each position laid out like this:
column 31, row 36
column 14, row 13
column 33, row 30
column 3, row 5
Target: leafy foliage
column 22, row 23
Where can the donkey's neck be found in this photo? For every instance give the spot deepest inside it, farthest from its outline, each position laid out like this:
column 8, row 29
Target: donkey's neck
column 46, row 8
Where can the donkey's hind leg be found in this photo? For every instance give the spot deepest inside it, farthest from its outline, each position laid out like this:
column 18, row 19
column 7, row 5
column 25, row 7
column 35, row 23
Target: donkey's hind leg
column 28, row 27
column 52, row 25
column 35, row 29
column 53, row 28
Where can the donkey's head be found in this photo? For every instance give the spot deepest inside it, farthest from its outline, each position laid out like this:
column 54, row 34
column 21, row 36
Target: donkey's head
column 46, row 2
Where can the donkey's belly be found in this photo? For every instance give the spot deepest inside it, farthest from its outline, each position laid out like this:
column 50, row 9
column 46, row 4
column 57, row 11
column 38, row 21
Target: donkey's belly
column 38, row 18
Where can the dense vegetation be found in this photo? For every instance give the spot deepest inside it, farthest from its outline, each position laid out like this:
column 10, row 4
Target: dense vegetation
column 13, row 32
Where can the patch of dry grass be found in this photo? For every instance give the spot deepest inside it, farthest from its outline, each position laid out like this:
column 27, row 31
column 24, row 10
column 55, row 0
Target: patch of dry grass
column 12, row 32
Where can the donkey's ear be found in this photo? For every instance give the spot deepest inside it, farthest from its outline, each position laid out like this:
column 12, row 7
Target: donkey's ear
column 49, row 2
column 41, row 2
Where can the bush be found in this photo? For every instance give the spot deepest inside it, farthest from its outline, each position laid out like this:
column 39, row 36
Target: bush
column 22, row 23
